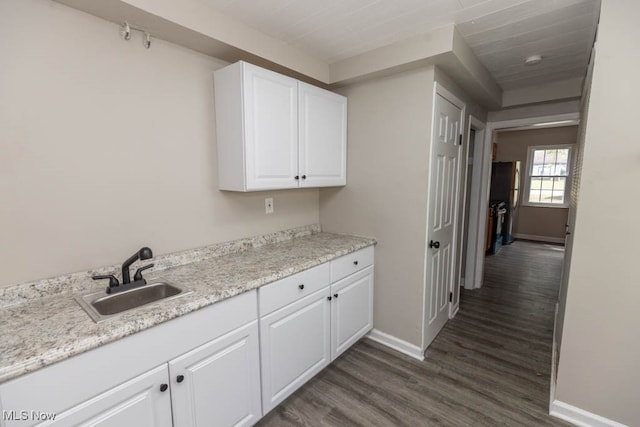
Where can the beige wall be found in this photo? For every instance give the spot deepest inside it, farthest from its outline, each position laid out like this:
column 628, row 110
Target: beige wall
column 598, row 368
column 106, row 147
column 386, row 192
column 513, row 146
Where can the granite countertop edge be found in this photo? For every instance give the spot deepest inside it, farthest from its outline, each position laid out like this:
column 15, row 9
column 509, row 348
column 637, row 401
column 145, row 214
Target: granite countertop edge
column 37, row 355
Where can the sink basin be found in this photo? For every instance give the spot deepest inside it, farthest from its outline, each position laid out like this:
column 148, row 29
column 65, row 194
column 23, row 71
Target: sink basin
column 101, row 306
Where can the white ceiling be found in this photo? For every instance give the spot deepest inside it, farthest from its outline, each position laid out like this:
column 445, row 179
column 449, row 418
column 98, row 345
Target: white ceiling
column 502, row 33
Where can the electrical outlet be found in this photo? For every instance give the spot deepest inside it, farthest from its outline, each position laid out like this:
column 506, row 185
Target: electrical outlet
column 268, row 205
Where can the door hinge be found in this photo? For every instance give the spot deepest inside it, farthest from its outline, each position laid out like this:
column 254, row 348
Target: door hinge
column 460, row 139
column 450, row 296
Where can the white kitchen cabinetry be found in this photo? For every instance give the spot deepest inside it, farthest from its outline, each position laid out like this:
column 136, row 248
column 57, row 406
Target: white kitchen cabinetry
column 306, row 321
column 219, row 382
column 322, row 116
column 215, row 349
column 352, row 304
column 351, row 310
column 295, row 346
column 295, row 341
column 274, row 132
column 144, row 401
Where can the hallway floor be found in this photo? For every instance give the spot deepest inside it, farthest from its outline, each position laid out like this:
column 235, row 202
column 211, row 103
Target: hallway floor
column 490, row 365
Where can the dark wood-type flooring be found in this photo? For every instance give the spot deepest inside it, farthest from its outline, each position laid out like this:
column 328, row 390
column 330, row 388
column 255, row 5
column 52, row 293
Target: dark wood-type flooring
column 489, row 366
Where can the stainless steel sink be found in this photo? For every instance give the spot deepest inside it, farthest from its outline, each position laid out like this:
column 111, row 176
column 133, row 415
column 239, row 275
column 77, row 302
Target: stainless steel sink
column 101, row 306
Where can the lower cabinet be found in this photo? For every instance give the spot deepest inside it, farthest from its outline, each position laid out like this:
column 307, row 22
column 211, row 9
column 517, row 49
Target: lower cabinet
column 351, row 310
column 295, row 345
column 303, row 335
column 140, row 402
column 218, row 384
column 202, row 369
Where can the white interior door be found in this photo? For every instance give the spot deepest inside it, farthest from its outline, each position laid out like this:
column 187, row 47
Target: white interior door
column 442, row 215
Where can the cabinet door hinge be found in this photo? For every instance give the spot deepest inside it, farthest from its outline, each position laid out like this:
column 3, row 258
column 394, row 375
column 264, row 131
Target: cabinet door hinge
column 450, row 296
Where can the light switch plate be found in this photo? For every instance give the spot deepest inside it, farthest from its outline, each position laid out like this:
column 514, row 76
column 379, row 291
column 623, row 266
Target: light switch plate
column 268, row 205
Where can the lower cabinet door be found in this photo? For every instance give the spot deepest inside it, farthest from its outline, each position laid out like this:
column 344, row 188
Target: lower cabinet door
column 351, row 310
column 144, row 401
column 295, row 345
column 218, row 383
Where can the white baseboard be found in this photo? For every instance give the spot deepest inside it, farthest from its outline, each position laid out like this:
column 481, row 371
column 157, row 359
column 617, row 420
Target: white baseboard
column 580, row 417
column 547, row 239
column 554, row 358
column 396, row 344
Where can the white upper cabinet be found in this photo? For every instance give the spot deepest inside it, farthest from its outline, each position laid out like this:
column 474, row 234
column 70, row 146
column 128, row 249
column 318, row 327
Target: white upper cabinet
column 322, row 118
column 274, row 132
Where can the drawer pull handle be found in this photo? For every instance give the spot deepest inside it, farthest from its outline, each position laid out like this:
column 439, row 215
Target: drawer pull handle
column 301, row 286
column 335, row 296
column 163, row 387
column 355, row 262
column 180, row 378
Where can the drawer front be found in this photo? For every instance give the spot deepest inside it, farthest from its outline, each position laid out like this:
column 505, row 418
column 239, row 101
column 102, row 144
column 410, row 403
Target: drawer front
column 351, row 263
column 285, row 291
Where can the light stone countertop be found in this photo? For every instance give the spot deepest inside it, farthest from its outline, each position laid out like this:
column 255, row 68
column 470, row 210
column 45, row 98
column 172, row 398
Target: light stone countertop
column 45, row 327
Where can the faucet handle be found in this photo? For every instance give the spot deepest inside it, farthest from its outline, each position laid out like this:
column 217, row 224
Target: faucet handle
column 113, row 282
column 138, row 275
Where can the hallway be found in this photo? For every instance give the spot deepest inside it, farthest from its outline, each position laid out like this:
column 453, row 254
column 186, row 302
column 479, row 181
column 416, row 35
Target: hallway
column 489, row 366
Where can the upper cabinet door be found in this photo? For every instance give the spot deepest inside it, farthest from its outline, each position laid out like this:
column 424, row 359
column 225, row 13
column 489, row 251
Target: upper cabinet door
column 271, row 129
column 322, row 136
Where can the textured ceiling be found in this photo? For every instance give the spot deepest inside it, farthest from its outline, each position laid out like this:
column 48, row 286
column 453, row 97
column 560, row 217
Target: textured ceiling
column 501, row 32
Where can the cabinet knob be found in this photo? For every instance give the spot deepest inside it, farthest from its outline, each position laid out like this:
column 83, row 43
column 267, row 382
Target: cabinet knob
column 304, row 176
column 355, row 262
column 180, row 378
column 335, row 296
column 301, row 286
column 329, row 298
column 296, row 177
column 163, row 387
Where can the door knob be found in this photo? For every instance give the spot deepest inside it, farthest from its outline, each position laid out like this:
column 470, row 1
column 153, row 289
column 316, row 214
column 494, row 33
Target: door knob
column 434, row 244
column 163, row 387
column 180, row 378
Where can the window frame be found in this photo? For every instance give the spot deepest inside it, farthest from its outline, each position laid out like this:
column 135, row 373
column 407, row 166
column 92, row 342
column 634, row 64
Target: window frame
column 527, row 184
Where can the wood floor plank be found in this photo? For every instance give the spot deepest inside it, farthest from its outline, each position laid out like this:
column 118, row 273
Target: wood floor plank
column 489, row 366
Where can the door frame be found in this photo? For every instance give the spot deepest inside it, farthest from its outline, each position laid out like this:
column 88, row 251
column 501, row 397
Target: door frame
column 480, row 190
column 439, row 89
column 472, row 233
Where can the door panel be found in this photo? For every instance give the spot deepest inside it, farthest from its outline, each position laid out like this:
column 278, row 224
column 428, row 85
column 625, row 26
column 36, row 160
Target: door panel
column 323, row 137
column 271, row 102
column 294, row 346
column 221, row 384
column 443, row 210
column 138, row 402
column 351, row 310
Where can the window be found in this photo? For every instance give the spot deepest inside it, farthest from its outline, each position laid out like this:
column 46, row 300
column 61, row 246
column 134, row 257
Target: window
column 548, row 176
